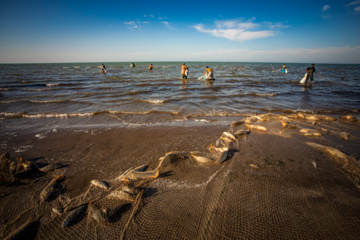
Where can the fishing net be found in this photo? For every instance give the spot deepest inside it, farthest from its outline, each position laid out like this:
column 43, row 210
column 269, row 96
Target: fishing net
column 256, row 193
column 202, row 78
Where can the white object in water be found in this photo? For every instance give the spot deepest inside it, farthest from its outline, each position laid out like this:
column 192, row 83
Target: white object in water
column 203, row 78
column 302, row 81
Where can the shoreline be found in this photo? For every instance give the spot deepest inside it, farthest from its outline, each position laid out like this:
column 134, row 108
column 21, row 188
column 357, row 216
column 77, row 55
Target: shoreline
column 268, row 187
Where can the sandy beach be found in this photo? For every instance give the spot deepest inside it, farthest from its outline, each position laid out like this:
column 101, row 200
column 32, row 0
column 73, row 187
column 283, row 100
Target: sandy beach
column 160, row 121
column 272, row 184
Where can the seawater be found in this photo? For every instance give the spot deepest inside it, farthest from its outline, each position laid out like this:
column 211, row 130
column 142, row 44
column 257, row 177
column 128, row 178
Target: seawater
column 36, row 96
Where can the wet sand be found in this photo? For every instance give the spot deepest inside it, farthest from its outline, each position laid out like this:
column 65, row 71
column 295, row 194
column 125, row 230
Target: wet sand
column 273, row 185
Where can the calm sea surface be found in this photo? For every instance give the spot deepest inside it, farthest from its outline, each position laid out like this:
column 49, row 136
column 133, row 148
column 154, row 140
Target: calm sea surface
column 34, row 96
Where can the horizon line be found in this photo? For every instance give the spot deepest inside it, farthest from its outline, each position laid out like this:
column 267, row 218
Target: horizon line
column 109, row 62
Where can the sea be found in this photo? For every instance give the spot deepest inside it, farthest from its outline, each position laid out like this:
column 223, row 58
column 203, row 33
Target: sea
column 63, row 95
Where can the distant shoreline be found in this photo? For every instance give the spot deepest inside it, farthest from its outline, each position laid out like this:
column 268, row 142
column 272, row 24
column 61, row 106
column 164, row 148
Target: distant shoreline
column 180, row 62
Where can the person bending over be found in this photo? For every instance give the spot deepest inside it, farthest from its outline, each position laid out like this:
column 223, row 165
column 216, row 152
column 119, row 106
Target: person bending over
column 209, row 74
column 310, row 71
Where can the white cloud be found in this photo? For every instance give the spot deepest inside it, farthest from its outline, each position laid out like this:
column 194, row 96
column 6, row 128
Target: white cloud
column 132, row 25
column 241, row 31
column 167, row 24
column 324, row 12
column 325, row 8
column 137, row 25
column 236, row 24
column 353, row 3
column 275, row 26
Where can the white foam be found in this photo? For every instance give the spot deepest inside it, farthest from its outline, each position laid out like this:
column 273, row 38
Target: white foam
column 23, row 148
column 40, row 135
column 202, row 120
column 46, row 101
column 57, row 115
column 52, row 84
column 9, row 114
column 82, row 131
column 156, row 101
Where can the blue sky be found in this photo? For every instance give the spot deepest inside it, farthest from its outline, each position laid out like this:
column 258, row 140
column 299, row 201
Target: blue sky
column 243, row 31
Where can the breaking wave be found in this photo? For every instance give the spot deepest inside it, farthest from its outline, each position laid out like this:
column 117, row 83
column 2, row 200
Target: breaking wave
column 155, row 101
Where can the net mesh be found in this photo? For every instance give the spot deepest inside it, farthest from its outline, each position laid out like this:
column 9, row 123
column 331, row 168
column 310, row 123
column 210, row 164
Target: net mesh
column 257, row 193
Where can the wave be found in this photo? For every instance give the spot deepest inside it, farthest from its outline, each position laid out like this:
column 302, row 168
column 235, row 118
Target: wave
column 263, row 94
column 9, row 101
column 7, row 115
column 163, row 67
column 208, row 97
column 57, row 115
column 20, row 149
column 216, row 113
column 10, row 115
column 142, row 113
column 136, row 92
column 155, row 101
column 49, row 101
column 155, row 83
column 239, row 88
column 36, row 101
column 205, row 116
column 52, row 84
column 38, row 89
column 234, row 96
column 202, row 120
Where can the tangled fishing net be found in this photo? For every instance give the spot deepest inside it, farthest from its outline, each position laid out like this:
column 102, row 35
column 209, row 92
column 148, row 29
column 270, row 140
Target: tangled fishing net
column 227, row 191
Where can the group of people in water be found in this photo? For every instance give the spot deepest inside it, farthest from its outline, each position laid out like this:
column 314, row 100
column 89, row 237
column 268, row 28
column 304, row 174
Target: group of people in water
column 309, row 72
column 209, row 73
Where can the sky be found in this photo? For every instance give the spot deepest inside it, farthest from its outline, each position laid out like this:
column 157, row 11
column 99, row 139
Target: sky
column 47, row 31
